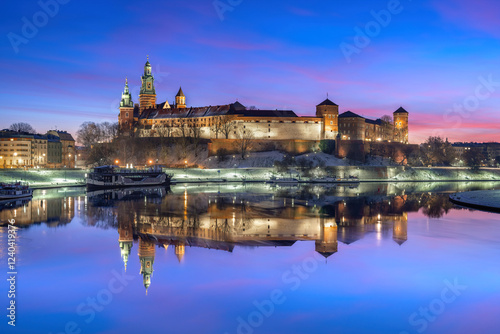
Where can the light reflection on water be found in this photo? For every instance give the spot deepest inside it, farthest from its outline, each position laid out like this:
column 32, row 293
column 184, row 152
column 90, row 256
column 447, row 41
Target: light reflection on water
column 352, row 259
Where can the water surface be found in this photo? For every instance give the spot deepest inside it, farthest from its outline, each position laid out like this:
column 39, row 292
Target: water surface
column 368, row 258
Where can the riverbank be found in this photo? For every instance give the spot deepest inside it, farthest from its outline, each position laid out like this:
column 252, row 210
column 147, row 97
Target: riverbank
column 43, row 179
column 487, row 200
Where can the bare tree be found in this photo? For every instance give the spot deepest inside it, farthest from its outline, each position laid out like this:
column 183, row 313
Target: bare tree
column 435, row 151
column 215, row 128
column 474, row 158
column 387, row 127
column 226, row 125
column 183, row 133
column 89, row 134
column 244, row 141
column 22, row 127
column 387, row 119
column 195, row 133
column 109, row 131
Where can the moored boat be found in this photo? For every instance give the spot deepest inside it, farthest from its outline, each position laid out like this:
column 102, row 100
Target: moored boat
column 14, row 191
column 116, row 177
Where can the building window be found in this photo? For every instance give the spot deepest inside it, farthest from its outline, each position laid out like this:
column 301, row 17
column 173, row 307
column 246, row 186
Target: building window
column 126, row 114
column 331, row 122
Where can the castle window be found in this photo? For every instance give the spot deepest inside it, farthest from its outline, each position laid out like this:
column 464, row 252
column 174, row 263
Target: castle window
column 331, row 122
column 126, row 114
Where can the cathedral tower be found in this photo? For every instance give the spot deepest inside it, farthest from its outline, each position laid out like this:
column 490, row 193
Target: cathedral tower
column 147, row 96
column 147, row 258
column 126, row 116
column 125, row 237
column 180, row 99
column 401, row 125
column 329, row 111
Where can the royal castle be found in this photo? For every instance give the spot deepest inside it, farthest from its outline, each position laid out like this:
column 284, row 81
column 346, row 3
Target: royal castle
column 232, row 121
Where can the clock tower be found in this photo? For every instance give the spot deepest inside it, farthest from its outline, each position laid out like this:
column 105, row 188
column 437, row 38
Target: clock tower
column 147, row 96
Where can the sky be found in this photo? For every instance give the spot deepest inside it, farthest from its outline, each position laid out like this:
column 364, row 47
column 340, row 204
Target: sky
column 64, row 62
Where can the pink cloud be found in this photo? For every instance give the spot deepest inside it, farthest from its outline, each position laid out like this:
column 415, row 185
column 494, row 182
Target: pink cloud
column 481, row 15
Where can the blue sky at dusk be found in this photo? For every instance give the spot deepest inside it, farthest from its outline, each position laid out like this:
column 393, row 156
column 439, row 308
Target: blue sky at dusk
column 437, row 59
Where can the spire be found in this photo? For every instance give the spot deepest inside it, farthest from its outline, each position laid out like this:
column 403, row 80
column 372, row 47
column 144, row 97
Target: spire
column 126, row 101
column 147, row 81
column 180, row 99
column 180, row 92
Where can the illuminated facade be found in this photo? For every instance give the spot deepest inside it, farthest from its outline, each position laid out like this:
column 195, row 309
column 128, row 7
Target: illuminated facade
column 230, row 121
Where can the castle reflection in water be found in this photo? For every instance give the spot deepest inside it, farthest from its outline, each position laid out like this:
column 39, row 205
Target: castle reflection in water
column 223, row 218
column 224, row 221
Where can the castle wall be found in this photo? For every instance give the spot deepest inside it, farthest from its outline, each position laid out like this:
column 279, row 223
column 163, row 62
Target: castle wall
column 295, row 146
column 280, row 128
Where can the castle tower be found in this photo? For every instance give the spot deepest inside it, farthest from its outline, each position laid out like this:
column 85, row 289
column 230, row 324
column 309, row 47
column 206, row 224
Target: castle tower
column 147, row 96
column 125, row 238
column 329, row 111
column 147, row 257
column 400, row 229
column 328, row 243
column 126, row 115
column 180, row 250
column 401, row 125
column 180, row 99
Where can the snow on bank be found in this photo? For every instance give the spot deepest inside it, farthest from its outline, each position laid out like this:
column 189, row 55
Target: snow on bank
column 447, row 174
column 482, row 199
column 267, row 159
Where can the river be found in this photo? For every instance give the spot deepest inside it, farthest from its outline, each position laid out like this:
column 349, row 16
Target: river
column 254, row 258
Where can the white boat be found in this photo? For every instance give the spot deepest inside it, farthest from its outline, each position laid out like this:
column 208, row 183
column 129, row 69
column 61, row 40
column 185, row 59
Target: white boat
column 15, row 191
column 116, row 177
